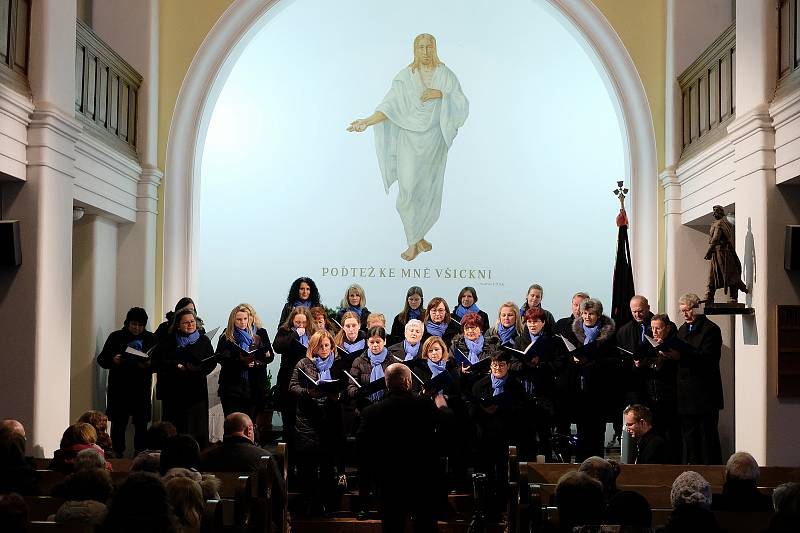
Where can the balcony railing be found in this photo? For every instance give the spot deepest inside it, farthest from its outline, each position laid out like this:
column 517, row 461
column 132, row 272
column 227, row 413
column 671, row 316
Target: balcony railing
column 789, row 39
column 14, row 26
column 106, row 89
column 708, row 88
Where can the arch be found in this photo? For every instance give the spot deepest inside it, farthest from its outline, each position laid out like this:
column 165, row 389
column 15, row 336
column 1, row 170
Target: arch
column 242, row 20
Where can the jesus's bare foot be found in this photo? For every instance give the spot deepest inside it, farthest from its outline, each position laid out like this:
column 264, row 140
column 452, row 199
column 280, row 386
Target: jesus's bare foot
column 424, row 246
column 411, row 252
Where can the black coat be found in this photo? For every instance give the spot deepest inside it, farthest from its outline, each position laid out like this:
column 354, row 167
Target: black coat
column 740, row 495
column 287, row 344
column 130, row 382
column 650, row 449
column 629, row 335
column 699, row 385
column 398, row 332
column 491, row 347
column 361, row 370
column 542, row 374
column 236, row 378
column 187, row 385
column 596, row 375
column 408, row 425
column 502, row 427
column 453, row 390
column 318, row 424
column 398, row 350
column 363, row 317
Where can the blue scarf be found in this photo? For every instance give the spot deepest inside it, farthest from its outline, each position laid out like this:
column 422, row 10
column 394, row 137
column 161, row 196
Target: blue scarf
column 411, row 351
column 498, row 385
column 136, row 344
column 436, row 368
column 356, row 310
column 435, row 329
column 302, row 303
column 460, row 310
column 591, row 332
column 324, row 366
column 414, row 314
column 475, row 349
column 186, row 340
column 302, row 338
column 533, row 337
column 377, row 371
column 506, row 334
column 354, row 347
column 244, row 338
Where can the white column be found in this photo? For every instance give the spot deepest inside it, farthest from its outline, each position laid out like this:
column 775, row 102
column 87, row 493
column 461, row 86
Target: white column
column 753, row 138
column 94, row 282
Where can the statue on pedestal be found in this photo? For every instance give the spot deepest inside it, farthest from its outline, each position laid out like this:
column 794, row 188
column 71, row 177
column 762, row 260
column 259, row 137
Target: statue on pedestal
column 725, row 271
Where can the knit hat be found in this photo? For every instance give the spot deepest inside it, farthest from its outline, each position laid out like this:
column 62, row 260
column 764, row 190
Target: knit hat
column 690, row 488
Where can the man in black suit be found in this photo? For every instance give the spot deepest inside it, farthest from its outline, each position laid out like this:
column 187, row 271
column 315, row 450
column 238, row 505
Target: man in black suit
column 398, row 438
column 631, row 335
column 649, row 448
column 699, row 385
column 238, row 453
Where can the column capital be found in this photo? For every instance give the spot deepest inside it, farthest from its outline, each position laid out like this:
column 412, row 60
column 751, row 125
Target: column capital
column 757, row 120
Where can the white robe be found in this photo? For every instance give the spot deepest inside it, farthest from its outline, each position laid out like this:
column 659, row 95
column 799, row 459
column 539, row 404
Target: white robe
column 412, row 144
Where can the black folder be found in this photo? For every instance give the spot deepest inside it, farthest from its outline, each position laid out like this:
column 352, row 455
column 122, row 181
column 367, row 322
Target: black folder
column 369, row 389
column 481, row 366
column 534, row 349
column 325, row 385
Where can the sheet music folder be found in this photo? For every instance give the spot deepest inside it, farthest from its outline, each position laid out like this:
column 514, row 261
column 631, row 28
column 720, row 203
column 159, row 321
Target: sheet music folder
column 481, row 366
column 325, row 385
column 369, row 389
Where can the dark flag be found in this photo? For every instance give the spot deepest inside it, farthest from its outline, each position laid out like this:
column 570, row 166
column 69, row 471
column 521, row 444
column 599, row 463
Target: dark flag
column 622, row 290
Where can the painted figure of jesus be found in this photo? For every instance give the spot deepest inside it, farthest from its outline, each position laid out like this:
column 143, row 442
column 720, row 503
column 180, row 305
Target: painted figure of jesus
column 415, row 125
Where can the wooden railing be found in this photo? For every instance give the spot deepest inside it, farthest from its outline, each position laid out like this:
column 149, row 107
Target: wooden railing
column 14, row 31
column 708, row 90
column 106, row 89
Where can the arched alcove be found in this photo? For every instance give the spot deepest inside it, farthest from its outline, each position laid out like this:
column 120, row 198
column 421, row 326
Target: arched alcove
column 243, row 20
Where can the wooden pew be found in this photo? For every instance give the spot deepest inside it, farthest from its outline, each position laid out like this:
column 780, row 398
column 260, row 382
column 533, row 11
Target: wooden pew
column 41, row 507
column 47, row 479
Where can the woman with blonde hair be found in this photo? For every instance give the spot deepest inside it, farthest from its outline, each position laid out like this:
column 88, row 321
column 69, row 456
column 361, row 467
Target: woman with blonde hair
column 319, row 439
column 355, row 300
column 509, row 324
column 244, row 351
column 291, row 341
column 186, row 497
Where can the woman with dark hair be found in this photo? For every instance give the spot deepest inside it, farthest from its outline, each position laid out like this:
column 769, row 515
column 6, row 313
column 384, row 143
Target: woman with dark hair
column 509, row 324
column 589, row 372
column 163, row 329
column 533, row 300
column 536, row 372
column 140, row 503
column 180, row 451
column 412, row 309
column 291, row 342
column 473, row 345
column 322, row 322
column 130, row 379
column 182, row 360
column 467, row 303
column 302, row 293
column 318, row 425
column 354, row 301
column 244, row 352
column 438, row 322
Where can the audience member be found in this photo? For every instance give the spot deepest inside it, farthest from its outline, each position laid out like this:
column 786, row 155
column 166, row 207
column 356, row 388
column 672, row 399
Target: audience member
column 648, row 447
column 99, row 422
column 15, row 426
column 17, row 474
column 86, row 493
column 786, row 500
column 603, row 470
column 630, row 510
column 140, row 504
column 157, row 435
column 740, row 491
column 209, row 483
column 13, row 513
column 186, row 498
column 181, row 451
column 691, row 506
column 579, row 498
column 77, row 437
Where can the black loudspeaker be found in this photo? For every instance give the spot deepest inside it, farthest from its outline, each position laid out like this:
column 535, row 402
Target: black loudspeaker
column 10, row 245
column 791, row 248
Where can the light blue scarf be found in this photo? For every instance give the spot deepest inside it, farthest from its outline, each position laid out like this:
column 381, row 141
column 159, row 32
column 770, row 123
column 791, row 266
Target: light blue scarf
column 437, row 368
column 411, row 351
column 357, row 310
column 498, row 385
column 244, row 338
column 414, row 314
column 506, row 334
column 436, row 330
column 186, row 340
column 355, row 347
column 324, row 366
column 377, row 371
column 302, row 303
column 591, row 332
column 302, row 338
column 460, row 310
column 475, row 349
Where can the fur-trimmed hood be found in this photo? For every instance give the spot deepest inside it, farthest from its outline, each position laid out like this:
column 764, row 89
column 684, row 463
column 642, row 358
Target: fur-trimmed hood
column 607, row 328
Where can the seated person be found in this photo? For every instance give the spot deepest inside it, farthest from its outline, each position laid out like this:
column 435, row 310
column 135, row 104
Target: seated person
column 740, row 492
column 604, row 471
column 77, row 437
column 786, row 499
column 691, row 506
column 579, row 499
column 99, row 422
column 649, row 448
column 86, row 493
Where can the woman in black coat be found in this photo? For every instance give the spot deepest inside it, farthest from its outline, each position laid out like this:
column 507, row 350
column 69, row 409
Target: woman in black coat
column 163, row 329
column 438, row 322
column 509, row 324
column 183, row 360
column 291, row 342
column 130, row 379
column 354, row 301
column 244, row 351
column 412, row 309
column 590, row 372
column 318, row 426
column 475, row 346
column 302, row 293
column 536, row 373
column 409, row 347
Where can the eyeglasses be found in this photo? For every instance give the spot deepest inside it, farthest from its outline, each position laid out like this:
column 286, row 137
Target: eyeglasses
column 498, row 364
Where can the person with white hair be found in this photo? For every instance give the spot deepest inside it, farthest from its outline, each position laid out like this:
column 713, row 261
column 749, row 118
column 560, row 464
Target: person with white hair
column 699, row 385
column 408, row 348
column 740, row 492
column 691, row 506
